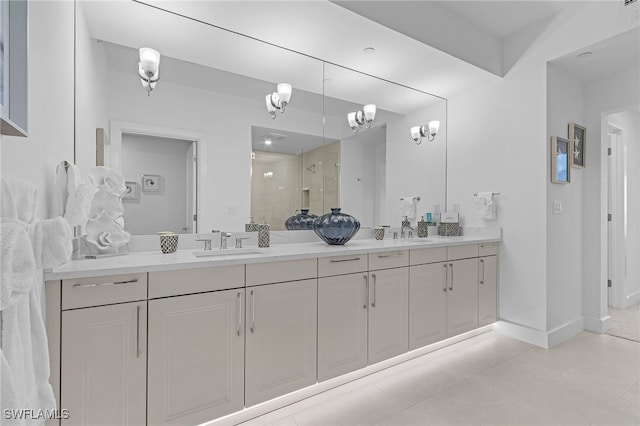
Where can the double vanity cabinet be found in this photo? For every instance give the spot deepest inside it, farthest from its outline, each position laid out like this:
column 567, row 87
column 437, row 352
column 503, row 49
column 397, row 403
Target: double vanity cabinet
column 198, row 342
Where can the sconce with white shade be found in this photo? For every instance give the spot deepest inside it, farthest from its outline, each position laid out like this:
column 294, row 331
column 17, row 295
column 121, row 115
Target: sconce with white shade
column 277, row 101
column 429, row 131
column 362, row 118
column 149, row 68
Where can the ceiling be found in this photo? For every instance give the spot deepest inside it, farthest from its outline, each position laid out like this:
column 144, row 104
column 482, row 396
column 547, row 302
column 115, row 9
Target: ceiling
column 440, row 47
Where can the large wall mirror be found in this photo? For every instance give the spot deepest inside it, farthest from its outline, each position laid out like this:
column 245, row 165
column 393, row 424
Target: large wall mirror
column 200, row 150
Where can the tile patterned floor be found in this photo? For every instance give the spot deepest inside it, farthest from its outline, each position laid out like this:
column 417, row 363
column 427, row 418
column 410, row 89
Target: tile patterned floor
column 625, row 323
column 490, row 379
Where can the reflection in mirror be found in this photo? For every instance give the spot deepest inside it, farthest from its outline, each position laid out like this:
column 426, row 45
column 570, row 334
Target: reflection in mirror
column 383, row 164
column 207, row 92
column 212, row 89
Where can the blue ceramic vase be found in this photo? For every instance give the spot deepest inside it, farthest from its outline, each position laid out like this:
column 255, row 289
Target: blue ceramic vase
column 336, row 228
column 302, row 220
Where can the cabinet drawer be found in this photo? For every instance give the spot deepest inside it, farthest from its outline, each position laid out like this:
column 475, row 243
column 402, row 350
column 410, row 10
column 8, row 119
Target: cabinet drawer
column 83, row 292
column 488, row 249
column 185, row 281
column 276, row 272
column 389, row 259
column 427, row 255
column 339, row 265
column 462, row 252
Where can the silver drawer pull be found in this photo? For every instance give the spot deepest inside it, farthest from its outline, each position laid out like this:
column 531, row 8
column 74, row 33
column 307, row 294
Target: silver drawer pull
column 353, row 259
column 382, row 256
column 373, row 301
column 366, row 291
column 239, row 313
column 482, row 279
column 135, row 280
column 137, row 331
column 253, row 312
column 445, row 277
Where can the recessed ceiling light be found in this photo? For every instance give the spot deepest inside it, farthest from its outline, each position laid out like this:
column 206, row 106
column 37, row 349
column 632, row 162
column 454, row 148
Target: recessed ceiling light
column 267, row 141
column 584, row 55
column 368, row 50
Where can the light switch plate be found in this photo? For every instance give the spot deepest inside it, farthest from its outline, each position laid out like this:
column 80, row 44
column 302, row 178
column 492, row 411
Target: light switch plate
column 557, row 207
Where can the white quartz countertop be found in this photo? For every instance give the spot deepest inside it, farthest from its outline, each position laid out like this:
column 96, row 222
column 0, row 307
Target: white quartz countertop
column 152, row 261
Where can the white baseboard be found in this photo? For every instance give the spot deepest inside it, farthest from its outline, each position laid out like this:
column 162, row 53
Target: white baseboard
column 597, row 325
column 543, row 339
column 631, row 299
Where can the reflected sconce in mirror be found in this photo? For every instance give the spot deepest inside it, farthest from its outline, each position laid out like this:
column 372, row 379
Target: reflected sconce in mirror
column 277, row 101
column 149, row 68
column 362, row 118
column 429, row 131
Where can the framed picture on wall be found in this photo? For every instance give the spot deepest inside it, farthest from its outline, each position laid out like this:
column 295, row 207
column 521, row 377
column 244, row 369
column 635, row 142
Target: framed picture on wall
column 560, row 162
column 132, row 193
column 578, row 139
column 150, row 183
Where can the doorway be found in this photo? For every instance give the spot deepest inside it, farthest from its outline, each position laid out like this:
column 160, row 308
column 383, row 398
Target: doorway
column 623, row 228
column 163, row 170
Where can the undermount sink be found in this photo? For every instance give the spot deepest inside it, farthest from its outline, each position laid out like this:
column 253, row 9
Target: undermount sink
column 225, row 253
column 432, row 240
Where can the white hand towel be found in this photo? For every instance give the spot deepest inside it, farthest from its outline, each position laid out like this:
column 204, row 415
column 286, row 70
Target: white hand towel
column 110, row 179
column 52, row 242
column 17, row 199
column 105, row 201
column 18, row 265
column 408, row 206
column 68, row 178
column 486, row 207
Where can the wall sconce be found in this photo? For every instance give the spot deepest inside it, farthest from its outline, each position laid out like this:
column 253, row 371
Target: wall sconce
column 149, row 68
column 429, row 131
column 277, row 101
column 364, row 117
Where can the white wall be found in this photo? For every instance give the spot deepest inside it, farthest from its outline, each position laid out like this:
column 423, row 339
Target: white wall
column 601, row 97
column 50, row 100
column 564, row 255
column 498, row 142
column 362, row 156
column 165, row 210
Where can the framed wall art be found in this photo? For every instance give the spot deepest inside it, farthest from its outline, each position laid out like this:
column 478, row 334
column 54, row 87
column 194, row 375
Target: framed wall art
column 150, row 183
column 578, row 139
column 560, row 160
column 132, row 193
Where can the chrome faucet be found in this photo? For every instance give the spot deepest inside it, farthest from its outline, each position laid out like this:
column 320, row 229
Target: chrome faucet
column 223, row 239
column 207, row 242
column 406, row 231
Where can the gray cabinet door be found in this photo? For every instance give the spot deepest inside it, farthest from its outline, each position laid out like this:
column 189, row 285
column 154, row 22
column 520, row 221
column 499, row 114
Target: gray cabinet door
column 342, row 324
column 462, row 296
column 104, row 365
column 427, row 304
column 196, row 357
column 388, row 313
column 281, row 322
column 488, row 290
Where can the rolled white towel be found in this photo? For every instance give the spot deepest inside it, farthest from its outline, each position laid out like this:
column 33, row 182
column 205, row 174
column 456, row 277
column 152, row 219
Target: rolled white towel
column 486, row 208
column 18, row 266
column 105, row 234
column 52, row 242
column 408, row 206
column 17, row 199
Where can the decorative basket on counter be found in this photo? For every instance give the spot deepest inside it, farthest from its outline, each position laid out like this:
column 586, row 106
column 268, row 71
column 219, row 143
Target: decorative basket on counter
column 302, row 220
column 449, row 230
column 336, row 228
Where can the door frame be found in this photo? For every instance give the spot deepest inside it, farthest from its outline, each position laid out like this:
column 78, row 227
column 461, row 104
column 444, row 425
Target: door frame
column 118, row 128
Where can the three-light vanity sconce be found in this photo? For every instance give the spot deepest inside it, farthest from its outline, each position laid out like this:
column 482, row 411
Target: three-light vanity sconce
column 149, row 68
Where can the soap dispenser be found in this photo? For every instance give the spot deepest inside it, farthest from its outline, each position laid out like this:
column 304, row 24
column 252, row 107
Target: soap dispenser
column 251, row 226
column 263, row 234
